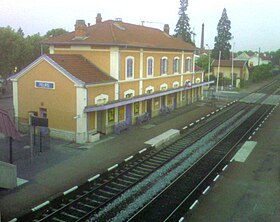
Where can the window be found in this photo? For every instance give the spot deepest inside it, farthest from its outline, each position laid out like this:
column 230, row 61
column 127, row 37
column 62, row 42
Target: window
column 188, row 65
column 149, row 90
column 176, row 84
column 150, row 66
column 129, row 93
column 129, row 67
column 101, row 99
column 163, row 87
column 121, row 113
column 111, row 115
column 176, row 65
column 164, row 65
column 136, row 108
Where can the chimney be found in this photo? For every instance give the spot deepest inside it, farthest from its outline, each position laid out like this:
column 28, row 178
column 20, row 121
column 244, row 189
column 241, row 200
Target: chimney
column 202, row 37
column 80, row 28
column 166, row 29
column 98, row 18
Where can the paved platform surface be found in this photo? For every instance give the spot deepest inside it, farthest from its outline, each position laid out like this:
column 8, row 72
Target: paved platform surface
column 250, row 190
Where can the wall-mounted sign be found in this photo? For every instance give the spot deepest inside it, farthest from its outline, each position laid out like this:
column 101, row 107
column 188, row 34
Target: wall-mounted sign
column 44, row 85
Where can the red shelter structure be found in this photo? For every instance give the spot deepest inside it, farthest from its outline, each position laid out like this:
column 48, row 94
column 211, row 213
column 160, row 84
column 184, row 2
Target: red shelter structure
column 7, row 127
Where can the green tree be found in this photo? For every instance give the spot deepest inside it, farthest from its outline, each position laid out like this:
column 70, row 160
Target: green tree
column 183, row 29
column 203, row 62
column 275, row 58
column 12, row 50
column 222, row 39
column 55, row 32
column 33, row 48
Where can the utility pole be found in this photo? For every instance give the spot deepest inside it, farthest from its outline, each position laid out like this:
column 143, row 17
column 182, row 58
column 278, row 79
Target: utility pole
column 218, row 75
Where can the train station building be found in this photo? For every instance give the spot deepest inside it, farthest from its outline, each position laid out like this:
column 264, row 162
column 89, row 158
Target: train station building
column 101, row 75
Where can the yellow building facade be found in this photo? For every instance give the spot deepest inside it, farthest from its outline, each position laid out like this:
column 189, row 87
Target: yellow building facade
column 102, row 75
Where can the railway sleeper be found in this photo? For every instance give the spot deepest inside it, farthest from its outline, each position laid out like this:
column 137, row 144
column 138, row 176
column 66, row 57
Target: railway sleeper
column 155, row 161
column 94, row 201
column 130, row 177
column 119, row 185
column 78, row 210
column 145, row 169
column 58, row 220
column 107, row 192
column 113, row 188
column 86, row 205
column 70, row 216
column 149, row 165
column 126, row 181
column 137, row 174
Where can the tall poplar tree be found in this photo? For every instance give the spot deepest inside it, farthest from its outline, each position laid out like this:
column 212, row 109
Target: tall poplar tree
column 222, row 39
column 183, row 29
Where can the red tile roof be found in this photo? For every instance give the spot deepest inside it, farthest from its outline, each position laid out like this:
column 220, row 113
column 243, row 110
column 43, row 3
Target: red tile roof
column 228, row 63
column 7, row 126
column 116, row 33
column 81, row 68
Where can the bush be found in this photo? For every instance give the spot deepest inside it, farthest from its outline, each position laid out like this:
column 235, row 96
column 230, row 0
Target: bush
column 260, row 73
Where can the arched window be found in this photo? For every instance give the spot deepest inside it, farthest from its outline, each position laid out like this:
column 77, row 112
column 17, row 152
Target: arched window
column 101, row 99
column 188, row 67
column 129, row 68
column 176, row 84
column 164, row 65
column 149, row 90
column 150, row 66
column 163, row 87
column 176, row 65
column 129, row 93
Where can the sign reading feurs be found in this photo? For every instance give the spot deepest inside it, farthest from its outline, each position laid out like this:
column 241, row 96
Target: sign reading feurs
column 44, row 85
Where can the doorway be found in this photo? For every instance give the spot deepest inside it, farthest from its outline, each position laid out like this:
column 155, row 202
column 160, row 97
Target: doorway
column 101, row 122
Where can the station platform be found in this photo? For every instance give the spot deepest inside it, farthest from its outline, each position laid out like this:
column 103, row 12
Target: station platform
column 66, row 165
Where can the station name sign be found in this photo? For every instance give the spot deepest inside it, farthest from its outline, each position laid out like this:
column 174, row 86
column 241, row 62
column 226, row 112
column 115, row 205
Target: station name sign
column 44, row 85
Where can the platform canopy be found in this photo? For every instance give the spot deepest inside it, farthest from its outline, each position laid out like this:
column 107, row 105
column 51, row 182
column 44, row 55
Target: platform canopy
column 7, row 127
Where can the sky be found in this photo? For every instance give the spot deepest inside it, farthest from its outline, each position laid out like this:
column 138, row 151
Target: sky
column 254, row 23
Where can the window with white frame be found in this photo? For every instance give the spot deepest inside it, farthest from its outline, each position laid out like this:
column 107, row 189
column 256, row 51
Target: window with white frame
column 150, row 66
column 149, row 90
column 176, row 65
column 164, row 65
column 129, row 93
column 163, row 87
column 188, row 65
column 175, row 84
column 129, row 68
column 101, row 99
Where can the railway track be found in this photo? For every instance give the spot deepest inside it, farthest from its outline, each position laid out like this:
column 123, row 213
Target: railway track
column 81, row 204
column 186, row 188
column 95, row 195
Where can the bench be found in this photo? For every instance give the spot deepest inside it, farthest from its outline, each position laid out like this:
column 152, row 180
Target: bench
column 165, row 110
column 145, row 117
column 121, row 126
